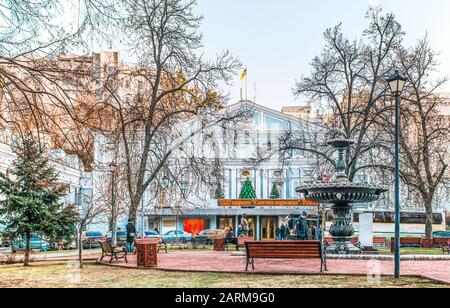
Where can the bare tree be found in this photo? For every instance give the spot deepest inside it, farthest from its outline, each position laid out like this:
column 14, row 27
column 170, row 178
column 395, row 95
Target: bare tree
column 424, row 133
column 173, row 84
column 348, row 77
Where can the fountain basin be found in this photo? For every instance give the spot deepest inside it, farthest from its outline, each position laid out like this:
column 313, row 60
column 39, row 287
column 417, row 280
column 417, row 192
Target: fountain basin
column 342, row 193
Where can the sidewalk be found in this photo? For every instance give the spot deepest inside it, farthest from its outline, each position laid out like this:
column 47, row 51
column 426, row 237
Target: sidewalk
column 61, row 256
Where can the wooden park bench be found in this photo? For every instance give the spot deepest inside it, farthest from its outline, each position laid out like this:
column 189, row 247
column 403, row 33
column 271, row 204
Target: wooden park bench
column 407, row 242
column 440, row 242
column 380, row 242
column 446, row 248
column 162, row 246
column 284, row 250
column 114, row 252
column 241, row 240
column 238, row 242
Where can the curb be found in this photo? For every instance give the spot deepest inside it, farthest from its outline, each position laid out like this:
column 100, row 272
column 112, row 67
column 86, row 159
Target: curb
column 390, row 258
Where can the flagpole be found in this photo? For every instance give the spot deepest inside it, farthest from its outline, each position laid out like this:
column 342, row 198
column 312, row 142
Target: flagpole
column 246, row 86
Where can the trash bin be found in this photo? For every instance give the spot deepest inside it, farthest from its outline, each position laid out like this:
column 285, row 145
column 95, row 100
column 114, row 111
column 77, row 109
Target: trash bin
column 219, row 244
column 147, row 252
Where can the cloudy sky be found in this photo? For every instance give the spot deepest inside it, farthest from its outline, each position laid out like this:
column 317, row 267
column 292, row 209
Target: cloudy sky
column 276, row 40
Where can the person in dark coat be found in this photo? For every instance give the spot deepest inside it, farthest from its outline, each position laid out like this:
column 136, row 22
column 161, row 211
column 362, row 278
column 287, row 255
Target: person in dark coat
column 314, row 232
column 131, row 234
column 288, row 233
column 240, row 231
column 283, row 232
column 302, row 227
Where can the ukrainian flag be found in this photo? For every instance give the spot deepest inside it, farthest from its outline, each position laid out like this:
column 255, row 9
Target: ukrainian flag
column 244, row 74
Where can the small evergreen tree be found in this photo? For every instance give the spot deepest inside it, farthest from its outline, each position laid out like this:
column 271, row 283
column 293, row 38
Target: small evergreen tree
column 275, row 193
column 248, row 192
column 219, row 193
column 32, row 197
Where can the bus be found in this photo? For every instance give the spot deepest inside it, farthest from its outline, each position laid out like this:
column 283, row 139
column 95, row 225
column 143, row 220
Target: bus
column 412, row 223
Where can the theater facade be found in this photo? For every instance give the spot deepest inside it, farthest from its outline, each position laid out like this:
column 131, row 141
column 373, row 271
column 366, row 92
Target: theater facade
column 264, row 213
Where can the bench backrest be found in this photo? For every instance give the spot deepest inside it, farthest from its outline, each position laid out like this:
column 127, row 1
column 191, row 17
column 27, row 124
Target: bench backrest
column 409, row 240
column 379, row 240
column 353, row 240
column 284, row 249
column 106, row 246
column 441, row 241
column 242, row 239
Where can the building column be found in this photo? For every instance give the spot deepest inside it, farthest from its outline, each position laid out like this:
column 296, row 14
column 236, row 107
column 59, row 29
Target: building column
column 213, row 222
column 236, row 225
column 258, row 229
column 161, row 224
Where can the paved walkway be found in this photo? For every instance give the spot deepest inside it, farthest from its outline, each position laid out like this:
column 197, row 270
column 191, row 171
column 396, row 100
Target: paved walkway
column 224, row 262
column 60, row 256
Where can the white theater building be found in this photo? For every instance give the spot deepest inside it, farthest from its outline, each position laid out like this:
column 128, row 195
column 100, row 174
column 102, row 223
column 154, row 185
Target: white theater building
column 261, row 133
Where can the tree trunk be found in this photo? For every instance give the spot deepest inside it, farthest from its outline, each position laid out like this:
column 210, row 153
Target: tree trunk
column 80, row 246
column 429, row 220
column 132, row 214
column 26, row 260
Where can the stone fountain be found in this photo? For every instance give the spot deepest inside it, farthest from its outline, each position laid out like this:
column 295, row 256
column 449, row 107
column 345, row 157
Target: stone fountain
column 342, row 194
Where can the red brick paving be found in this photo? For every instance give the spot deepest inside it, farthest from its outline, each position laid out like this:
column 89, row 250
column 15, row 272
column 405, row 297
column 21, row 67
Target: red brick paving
column 224, row 262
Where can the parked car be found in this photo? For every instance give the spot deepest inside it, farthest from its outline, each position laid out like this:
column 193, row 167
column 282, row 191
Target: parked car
column 91, row 238
column 176, row 237
column 5, row 241
column 438, row 234
column 152, row 234
column 36, row 243
column 206, row 237
column 121, row 238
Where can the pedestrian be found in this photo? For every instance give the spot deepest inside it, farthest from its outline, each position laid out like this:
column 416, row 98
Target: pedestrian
column 314, row 232
column 240, row 231
column 283, row 232
column 229, row 236
column 302, row 227
column 278, row 234
column 244, row 225
column 131, row 234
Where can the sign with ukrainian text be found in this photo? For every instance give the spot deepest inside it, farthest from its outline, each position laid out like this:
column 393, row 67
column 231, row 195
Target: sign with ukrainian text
column 268, row 202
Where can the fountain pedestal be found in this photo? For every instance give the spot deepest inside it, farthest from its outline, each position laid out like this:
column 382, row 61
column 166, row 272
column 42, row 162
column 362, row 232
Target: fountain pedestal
column 342, row 231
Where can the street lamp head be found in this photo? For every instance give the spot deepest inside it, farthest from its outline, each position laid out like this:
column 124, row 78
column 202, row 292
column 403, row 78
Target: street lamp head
column 396, row 83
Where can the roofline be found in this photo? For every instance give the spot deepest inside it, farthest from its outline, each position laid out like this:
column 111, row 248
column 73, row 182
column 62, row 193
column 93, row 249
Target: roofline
column 273, row 111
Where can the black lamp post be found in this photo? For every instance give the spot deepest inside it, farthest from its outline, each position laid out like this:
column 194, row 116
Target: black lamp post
column 113, row 167
column 396, row 83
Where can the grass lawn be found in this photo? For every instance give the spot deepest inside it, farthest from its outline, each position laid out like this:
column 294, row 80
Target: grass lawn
column 66, row 274
column 413, row 251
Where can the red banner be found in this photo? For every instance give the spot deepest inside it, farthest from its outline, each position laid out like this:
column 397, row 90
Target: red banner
column 194, row 226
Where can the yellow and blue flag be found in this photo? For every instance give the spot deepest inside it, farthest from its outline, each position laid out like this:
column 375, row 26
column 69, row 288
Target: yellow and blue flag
column 244, row 74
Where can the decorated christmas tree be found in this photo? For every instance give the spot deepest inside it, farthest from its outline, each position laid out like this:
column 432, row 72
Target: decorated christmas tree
column 248, row 192
column 275, row 193
column 219, row 193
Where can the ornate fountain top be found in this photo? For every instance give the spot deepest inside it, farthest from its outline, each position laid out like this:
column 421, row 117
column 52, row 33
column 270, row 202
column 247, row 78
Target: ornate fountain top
column 339, row 140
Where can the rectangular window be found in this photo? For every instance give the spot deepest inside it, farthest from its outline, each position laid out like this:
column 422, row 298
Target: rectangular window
column 247, row 137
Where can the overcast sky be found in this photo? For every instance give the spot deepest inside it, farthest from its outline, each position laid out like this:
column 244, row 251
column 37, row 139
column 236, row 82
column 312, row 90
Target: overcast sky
column 276, row 40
